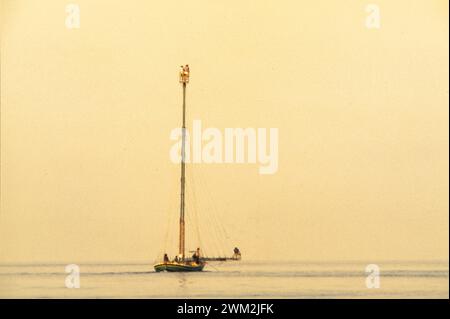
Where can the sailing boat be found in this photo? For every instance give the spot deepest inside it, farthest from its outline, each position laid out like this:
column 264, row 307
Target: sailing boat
column 181, row 262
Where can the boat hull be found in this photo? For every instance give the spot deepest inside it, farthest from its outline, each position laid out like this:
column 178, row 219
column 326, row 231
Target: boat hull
column 178, row 267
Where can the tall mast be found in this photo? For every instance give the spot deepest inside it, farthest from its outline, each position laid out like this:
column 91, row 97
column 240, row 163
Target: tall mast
column 184, row 79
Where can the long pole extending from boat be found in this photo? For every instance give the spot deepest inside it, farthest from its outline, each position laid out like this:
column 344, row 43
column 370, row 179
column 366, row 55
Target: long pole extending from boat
column 181, row 249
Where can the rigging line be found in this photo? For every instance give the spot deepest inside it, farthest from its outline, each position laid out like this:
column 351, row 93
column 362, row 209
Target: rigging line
column 219, row 222
column 173, row 214
column 190, row 223
column 213, row 243
column 160, row 251
column 194, row 201
column 194, row 241
column 214, row 240
column 215, row 215
column 169, row 221
column 191, row 216
column 212, row 222
column 197, row 214
column 222, row 236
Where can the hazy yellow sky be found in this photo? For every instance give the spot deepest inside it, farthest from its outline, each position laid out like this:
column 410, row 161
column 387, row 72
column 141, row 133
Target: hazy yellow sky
column 362, row 115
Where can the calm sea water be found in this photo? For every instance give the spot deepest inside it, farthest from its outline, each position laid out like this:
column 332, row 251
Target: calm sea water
column 229, row 280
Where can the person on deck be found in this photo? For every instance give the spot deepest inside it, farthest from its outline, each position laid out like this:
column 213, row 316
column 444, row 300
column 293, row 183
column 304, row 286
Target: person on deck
column 186, row 73
column 166, row 258
column 181, row 74
column 196, row 256
column 237, row 253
